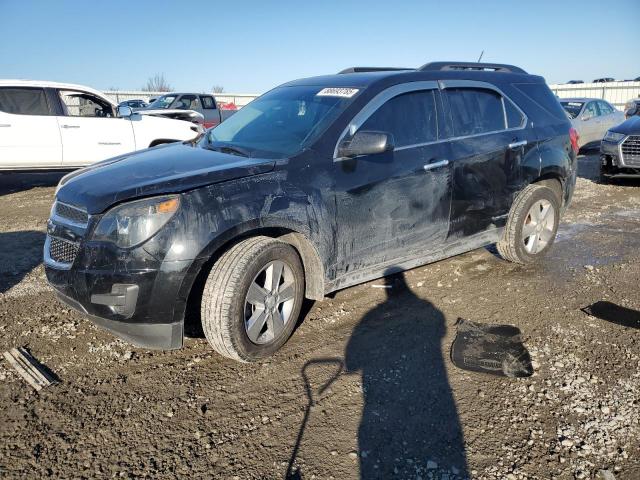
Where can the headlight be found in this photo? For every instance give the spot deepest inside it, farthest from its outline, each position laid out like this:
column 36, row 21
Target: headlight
column 613, row 137
column 132, row 223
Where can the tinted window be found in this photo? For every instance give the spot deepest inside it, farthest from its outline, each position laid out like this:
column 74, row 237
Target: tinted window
column 411, row 118
column 82, row 104
column 208, row 102
column 543, row 97
column 24, row 101
column 515, row 119
column 475, row 111
column 572, row 108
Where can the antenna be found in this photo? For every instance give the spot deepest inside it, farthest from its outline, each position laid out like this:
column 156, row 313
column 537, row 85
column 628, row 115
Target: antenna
column 480, row 57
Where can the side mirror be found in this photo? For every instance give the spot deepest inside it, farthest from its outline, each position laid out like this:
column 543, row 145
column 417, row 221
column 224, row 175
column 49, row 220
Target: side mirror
column 630, row 112
column 124, row 111
column 366, row 143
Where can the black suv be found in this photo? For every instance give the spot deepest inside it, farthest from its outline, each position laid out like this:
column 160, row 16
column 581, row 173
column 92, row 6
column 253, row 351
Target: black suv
column 319, row 184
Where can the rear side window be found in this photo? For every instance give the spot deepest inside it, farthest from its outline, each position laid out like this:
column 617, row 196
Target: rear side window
column 543, row 97
column 24, row 101
column 411, row 118
column 515, row 118
column 475, row 111
column 208, row 102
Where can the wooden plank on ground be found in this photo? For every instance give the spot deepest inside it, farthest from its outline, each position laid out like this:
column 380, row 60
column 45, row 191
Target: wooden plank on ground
column 34, row 373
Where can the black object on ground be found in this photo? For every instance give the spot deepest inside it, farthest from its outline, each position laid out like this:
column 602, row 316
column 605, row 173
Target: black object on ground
column 493, row 349
column 614, row 313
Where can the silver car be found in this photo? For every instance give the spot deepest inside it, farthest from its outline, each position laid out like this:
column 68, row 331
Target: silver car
column 591, row 117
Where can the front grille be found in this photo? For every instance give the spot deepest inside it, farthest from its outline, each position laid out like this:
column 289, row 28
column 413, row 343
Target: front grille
column 73, row 214
column 631, row 151
column 62, row 251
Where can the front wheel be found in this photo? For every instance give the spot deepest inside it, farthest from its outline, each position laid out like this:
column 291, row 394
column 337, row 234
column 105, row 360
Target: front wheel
column 252, row 299
column 532, row 225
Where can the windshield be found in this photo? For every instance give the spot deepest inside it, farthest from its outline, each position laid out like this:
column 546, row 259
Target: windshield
column 163, row 102
column 282, row 121
column 572, row 108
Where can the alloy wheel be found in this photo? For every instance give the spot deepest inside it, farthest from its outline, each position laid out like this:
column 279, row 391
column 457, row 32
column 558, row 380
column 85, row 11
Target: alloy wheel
column 537, row 230
column 269, row 302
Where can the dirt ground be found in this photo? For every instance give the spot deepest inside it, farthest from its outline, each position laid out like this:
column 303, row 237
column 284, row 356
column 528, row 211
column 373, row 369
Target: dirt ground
column 364, row 389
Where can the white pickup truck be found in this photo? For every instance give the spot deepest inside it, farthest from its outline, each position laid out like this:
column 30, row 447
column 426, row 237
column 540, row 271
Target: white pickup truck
column 49, row 125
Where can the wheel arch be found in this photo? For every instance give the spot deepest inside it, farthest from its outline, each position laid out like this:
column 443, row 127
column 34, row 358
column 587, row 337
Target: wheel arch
column 190, row 291
column 554, row 181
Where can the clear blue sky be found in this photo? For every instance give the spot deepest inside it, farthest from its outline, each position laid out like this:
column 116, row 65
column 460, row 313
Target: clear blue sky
column 251, row 46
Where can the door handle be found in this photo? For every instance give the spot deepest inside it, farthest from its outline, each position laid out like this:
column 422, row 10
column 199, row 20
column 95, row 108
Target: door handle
column 70, row 126
column 519, row 144
column 5, row 125
column 431, row 166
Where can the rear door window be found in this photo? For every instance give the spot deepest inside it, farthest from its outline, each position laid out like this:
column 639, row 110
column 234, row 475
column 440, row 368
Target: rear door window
column 207, row 101
column 590, row 111
column 475, row 111
column 605, row 108
column 24, row 101
column 410, row 117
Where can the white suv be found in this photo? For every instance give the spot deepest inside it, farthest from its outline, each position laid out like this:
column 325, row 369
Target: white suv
column 45, row 125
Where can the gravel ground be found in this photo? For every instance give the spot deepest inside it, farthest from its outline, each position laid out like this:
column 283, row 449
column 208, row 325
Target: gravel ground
column 364, row 388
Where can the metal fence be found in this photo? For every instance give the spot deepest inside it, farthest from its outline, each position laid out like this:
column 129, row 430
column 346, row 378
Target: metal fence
column 239, row 99
column 616, row 93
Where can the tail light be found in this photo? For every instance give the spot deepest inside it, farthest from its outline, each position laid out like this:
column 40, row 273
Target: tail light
column 573, row 136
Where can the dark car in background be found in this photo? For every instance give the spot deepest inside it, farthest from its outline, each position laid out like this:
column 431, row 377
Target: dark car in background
column 317, row 185
column 620, row 151
column 202, row 103
column 604, row 80
column 632, row 108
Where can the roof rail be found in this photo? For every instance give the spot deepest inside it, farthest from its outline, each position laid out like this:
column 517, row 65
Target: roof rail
column 494, row 67
column 371, row 69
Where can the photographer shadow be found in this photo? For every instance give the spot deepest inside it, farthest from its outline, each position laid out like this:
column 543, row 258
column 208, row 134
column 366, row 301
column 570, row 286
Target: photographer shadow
column 410, row 424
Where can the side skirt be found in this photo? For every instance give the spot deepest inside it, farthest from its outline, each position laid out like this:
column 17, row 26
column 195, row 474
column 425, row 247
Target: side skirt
column 451, row 248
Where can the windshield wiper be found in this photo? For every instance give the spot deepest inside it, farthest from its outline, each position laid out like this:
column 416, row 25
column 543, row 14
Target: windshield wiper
column 230, row 149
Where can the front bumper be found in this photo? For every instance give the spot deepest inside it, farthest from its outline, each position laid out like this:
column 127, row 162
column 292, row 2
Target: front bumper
column 612, row 164
column 139, row 307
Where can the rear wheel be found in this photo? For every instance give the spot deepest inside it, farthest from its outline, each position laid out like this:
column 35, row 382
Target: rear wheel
column 252, row 299
column 532, row 225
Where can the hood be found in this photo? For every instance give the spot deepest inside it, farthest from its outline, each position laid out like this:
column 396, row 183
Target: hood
column 631, row 126
column 172, row 168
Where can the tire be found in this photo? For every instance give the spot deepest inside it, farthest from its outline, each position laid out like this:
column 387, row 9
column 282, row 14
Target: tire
column 515, row 245
column 231, row 312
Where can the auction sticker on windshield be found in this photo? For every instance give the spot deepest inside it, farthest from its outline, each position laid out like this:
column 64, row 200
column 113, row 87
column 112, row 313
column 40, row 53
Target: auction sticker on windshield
column 337, row 92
